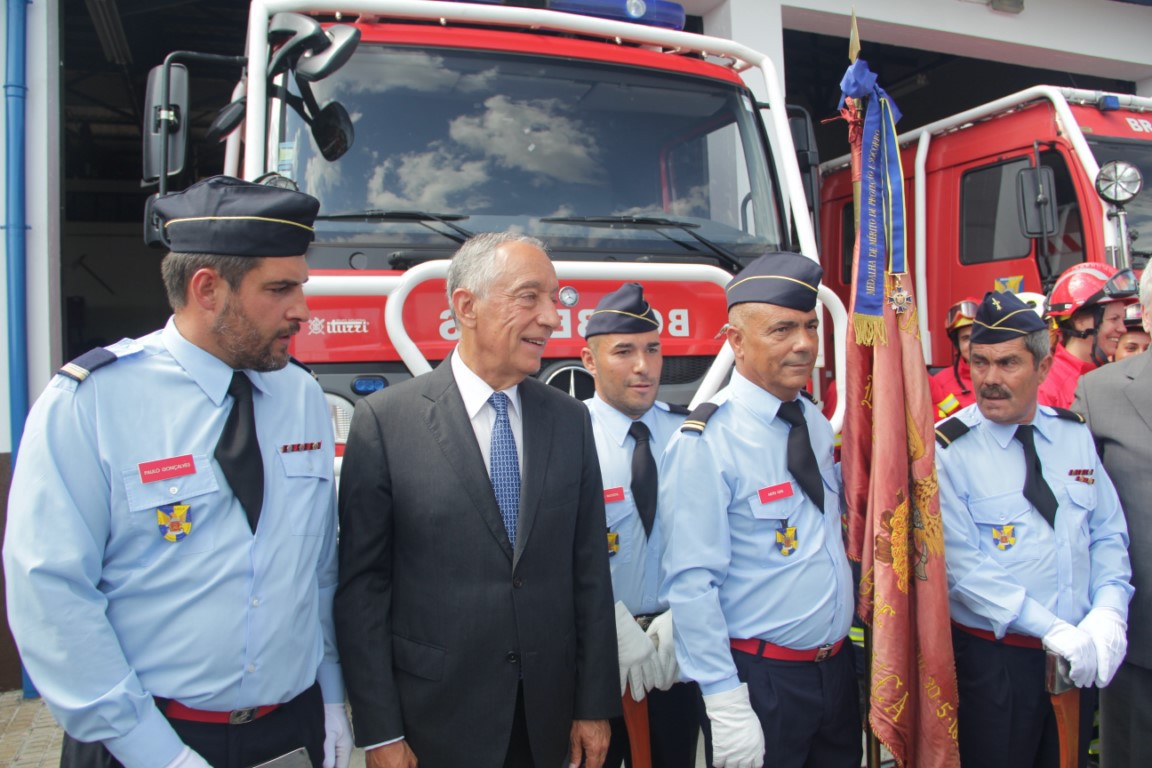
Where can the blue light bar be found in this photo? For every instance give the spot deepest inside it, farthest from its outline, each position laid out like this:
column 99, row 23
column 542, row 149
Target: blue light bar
column 366, row 385
column 1109, row 102
column 654, row 13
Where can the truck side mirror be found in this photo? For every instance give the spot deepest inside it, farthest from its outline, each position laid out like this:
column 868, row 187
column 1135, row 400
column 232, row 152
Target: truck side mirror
column 808, row 157
column 298, row 34
column 1036, row 197
column 317, row 65
column 226, row 121
column 154, row 236
column 333, row 132
column 165, row 122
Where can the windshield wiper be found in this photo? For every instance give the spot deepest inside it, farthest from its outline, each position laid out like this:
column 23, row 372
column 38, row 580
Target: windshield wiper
column 418, row 217
column 654, row 223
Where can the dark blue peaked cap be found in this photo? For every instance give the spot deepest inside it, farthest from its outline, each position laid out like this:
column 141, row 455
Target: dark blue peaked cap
column 622, row 311
column 785, row 279
column 1003, row 316
column 225, row 216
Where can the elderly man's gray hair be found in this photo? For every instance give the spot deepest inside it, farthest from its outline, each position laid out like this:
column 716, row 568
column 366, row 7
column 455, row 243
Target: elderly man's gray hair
column 474, row 266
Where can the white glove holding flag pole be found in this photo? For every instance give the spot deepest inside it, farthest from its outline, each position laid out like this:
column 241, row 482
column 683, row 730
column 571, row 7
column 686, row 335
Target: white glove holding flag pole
column 637, row 654
column 737, row 737
column 1109, row 633
column 188, row 759
column 660, row 633
column 1077, row 647
column 337, row 737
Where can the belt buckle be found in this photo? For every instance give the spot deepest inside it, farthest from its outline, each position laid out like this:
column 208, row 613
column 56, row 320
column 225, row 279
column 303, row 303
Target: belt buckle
column 824, row 652
column 242, row 716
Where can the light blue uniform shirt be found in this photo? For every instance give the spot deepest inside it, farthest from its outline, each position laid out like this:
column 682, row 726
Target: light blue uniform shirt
column 106, row 612
column 724, row 495
column 636, row 563
column 1008, row 570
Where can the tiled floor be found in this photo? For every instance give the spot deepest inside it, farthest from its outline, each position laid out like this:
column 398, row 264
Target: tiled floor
column 29, row 737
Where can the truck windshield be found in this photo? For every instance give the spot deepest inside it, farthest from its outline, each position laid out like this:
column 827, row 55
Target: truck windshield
column 1140, row 209
column 585, row 155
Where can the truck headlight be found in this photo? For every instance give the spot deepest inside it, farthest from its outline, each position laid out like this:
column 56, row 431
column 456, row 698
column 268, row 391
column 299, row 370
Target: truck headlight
column 341, row 410
column 1118, row 182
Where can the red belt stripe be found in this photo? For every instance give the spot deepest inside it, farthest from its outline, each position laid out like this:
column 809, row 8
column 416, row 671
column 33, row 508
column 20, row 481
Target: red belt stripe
column 772, row 651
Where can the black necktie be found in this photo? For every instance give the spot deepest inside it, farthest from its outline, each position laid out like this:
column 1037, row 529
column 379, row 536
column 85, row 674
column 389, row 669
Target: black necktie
column 1036, row 489
column 801, row 458
column 643, row 475
column 238, row 450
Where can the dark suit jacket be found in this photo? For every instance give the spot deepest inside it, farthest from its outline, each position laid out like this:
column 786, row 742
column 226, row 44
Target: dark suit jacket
column 437, row 620
column 1116, row 400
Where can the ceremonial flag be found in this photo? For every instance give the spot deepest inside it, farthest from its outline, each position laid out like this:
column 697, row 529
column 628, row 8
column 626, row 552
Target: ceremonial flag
column 894, row 526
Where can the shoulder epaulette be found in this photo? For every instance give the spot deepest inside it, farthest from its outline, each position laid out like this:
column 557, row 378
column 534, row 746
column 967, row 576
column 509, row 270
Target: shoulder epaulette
column 679, row 410
column 947, row 432
column 811, row 397
column 1067, row 415
column 310, row 372
column 80, row 368
column 699, row 417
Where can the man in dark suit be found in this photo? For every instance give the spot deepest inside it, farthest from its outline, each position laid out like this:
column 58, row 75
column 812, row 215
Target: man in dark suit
column 1116, row 401
column 475, row 602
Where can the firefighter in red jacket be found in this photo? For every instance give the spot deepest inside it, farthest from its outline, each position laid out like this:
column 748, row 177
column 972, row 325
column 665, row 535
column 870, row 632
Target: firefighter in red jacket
column 1087, row 303
column 1135, row 339
column 952, row 387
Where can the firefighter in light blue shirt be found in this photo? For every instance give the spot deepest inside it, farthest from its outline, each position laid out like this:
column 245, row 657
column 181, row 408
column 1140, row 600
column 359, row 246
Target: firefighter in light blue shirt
column 170, row 552
column 631, row 429
column 1035, row 545
column 755, row 569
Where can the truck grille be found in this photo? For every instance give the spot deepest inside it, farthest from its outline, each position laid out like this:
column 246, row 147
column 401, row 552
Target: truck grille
column 684, row 370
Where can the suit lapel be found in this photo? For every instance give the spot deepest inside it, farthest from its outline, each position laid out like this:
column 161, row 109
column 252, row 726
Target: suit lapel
column 538, row 427
column 449, row 425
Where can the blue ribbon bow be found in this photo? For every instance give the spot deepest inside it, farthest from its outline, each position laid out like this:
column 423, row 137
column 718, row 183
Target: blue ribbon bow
column 881, row 225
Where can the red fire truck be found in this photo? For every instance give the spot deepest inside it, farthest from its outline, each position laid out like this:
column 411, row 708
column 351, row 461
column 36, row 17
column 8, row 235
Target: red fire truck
column 635, row 150
column 982, row 217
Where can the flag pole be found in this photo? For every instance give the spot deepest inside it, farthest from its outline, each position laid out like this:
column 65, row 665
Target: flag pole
column 852, row 115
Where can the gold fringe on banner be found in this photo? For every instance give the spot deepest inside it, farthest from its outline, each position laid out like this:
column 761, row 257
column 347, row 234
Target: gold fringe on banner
column 869, row 329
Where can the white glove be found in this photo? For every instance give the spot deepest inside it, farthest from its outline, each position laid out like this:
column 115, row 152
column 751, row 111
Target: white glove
column 1109, row 633
column 1077, row 647
column 737, row 738
column 637, row 654
column 337, row 737
column 660, row 633
column 188, row 759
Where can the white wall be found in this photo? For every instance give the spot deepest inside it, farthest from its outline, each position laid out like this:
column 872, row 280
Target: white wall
column 44, row 169
column 1089, row 37
column 5, row 422
column 42, row 207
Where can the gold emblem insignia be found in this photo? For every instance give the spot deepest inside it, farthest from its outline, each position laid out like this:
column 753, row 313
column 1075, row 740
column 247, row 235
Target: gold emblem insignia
column 174, row 521
column 1004, row 537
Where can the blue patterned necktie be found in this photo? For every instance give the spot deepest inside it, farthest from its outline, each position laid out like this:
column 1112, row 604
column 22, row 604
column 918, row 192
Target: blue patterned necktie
column 505, row 467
